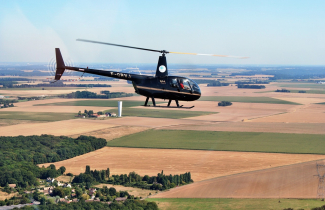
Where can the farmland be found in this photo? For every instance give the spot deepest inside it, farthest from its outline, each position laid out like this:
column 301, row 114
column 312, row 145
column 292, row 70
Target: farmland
column 94, row 102
column 36, row 116
column 224, row 141
column 232, row 203
column 202, row 164
column 246, row 99
column 161, row 113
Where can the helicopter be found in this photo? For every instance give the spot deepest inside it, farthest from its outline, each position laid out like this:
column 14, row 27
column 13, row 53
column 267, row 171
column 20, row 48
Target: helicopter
column 160, row 86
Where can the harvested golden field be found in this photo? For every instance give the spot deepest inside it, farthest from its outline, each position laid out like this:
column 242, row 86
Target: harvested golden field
column 113, row 132
column 249, row 126
column 294, row 181
column 312, row 113
column 58, row 128
column 137, row 192
column 202, row 164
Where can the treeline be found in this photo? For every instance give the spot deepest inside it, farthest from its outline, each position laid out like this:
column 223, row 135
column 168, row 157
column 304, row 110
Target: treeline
column 215, row 83
column 128, row 204
column 251, row 86
column 159, row 182
column 283, row 90
column 5, row 103
column 252, row 82
column 19, row 156
column 104, row 94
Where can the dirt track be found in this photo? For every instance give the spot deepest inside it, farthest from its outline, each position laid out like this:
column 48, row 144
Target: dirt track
column 294, row 181
column 202, row 164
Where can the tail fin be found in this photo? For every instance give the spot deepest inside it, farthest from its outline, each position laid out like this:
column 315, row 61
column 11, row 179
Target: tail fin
column 60, row 67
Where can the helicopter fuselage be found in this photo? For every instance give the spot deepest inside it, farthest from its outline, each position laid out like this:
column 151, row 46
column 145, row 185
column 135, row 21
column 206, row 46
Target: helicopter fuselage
column 168, row 87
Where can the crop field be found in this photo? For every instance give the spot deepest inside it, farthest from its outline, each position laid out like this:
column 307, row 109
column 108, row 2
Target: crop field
column 231, row 203
column 244, row 99
column 36, row 116
column 57, row 128
column 98, row 102
column 291, row 181
column 224, row 141
column 314, row 91
column 160, row 113
column 303, row 85
column 202, row 164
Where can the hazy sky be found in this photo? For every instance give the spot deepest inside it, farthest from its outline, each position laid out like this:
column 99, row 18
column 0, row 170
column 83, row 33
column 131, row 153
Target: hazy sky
column 269, row 32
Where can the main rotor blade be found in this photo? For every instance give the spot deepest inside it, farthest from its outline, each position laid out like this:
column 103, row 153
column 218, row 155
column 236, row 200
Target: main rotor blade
column 229, row 56
column 119, row 45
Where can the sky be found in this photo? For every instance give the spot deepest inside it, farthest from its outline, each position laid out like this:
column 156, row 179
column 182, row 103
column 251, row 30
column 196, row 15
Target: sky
column 277, row 32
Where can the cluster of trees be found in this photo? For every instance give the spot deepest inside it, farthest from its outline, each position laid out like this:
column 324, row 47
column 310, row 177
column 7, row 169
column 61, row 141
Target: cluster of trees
column 252, row 82
column 301, row 91
column 283, row 90
column 128, row 204
column 251, row 86
column 159, row 182
column 224, row 103
column 19, row 156
column 7, row 103
column 88, row 94
column 217, row 83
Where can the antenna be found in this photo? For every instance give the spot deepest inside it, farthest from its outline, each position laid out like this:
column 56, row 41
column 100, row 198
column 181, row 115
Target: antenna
column 321, row 184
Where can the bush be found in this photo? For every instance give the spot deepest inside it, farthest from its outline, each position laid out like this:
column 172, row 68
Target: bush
column 224, row 103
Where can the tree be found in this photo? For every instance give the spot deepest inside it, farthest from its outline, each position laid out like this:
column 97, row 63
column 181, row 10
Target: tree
column 62, row 169
column 58, row 191
column 112, row 191
column 107, row 172
column 87, row 169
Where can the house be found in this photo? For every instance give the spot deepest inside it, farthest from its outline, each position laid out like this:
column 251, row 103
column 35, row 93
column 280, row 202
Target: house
column 12, row 185
column 92, row 191
column 75, row 200
column 121, row 199
column 49, row 179
column 67, row 185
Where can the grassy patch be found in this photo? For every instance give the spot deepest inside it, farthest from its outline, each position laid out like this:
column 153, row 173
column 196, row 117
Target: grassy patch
column 160, row 113
column 246, row 99
column 36, row 116
column 304, row 85
column 225, row 141
column 95, row 102
column 230, row 203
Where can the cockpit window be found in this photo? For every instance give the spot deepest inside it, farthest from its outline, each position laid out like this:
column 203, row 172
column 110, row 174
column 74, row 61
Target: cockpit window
column 184, row 84
column 173, row 83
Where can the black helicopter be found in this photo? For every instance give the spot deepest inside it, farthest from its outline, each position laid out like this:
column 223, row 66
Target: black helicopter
column 159, row 86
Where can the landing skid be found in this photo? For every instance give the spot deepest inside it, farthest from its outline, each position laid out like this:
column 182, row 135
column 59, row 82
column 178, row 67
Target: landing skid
column 168, row 106
column 179, row 107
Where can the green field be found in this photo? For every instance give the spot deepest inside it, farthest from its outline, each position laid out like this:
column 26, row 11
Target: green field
column 246, row 99
column 36, row 116
column 95, row 102
column 160, row 113
column 230, row 203
column 224, row 141
column 304, row 85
